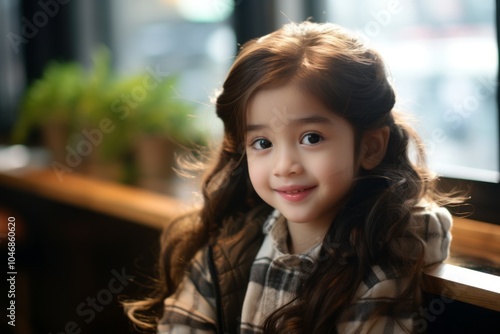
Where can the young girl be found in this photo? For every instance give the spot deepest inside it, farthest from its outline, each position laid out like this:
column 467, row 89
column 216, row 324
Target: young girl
column 314, row 220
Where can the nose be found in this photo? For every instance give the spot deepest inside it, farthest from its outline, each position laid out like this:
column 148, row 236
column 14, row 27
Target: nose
column 287, row 163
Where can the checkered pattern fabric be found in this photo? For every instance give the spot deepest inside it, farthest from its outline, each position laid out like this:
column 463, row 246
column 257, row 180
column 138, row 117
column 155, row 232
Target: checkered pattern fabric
column 275, row 275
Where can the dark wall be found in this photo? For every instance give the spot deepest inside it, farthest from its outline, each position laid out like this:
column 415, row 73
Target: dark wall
column 73, row 266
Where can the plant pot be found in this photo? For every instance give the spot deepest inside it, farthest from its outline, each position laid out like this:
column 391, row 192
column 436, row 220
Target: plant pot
column 90, row 158
column 155, row 159
column 105, row 170
column 54, row 136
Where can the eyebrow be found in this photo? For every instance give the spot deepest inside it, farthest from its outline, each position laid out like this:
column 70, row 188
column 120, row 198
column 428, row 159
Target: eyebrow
column 316, row 119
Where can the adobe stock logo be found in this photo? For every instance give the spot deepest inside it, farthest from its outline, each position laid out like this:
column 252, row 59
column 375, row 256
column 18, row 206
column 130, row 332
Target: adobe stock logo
column 30, row 28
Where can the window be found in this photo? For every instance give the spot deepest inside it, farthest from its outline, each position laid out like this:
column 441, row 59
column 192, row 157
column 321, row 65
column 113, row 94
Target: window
column 192, row 39
column 443, row 58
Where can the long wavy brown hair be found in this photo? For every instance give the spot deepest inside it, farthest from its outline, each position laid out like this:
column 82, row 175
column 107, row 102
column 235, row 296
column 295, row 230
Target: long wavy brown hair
column 350, row 79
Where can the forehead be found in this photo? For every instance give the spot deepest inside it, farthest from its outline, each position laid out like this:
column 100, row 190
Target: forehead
column 286, row 103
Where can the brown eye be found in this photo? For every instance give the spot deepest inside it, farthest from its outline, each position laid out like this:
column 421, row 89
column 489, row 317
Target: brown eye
column 261, row 144
column 311, row 139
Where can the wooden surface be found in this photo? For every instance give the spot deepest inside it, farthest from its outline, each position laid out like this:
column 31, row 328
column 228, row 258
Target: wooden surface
column 470, row 286
column 474, row 244
column 470, row 238
column 476, row 239
column 117, row 200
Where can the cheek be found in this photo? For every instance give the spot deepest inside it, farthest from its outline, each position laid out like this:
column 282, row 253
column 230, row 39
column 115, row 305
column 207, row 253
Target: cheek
column 338, row 163
column 340, row 166
column 337, row 185
column 344, row 159
column 256, row 173
column 337, row 171
column 340, row 176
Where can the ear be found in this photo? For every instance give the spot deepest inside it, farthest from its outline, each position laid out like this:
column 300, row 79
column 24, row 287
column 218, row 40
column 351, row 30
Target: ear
column 373, row 147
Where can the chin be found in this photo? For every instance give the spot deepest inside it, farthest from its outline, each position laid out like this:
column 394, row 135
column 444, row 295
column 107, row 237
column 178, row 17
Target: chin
column 297, row 218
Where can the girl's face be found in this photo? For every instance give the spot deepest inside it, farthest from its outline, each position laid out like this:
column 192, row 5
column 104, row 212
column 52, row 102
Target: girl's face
column 300, row 155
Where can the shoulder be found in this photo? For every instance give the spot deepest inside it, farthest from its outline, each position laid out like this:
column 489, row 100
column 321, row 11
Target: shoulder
column 431, row 220
column 383, row 283
column 428, row 231
column 433, row 225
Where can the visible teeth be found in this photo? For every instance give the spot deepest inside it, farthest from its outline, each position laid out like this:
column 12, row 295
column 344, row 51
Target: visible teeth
column 294, row 191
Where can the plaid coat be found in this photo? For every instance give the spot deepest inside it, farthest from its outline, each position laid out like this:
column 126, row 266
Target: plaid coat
column 231, row 287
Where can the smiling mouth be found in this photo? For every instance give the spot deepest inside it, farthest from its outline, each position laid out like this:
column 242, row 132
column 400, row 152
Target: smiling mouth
column 295, row 191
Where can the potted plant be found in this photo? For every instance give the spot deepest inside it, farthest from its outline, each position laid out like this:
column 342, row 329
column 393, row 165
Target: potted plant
column 127, row 129
column 163, row 127
column 106, row 142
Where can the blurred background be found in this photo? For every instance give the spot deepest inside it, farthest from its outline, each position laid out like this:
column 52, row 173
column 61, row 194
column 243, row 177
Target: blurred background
column 150, row 68
column 114, row 90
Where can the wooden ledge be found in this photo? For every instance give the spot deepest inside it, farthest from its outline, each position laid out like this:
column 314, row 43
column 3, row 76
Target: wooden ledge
column 475, row 244
column 130, row 203
column 470, row 286
column 472, row 238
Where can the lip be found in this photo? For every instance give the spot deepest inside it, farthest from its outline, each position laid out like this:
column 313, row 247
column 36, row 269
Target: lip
column 295, row 193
